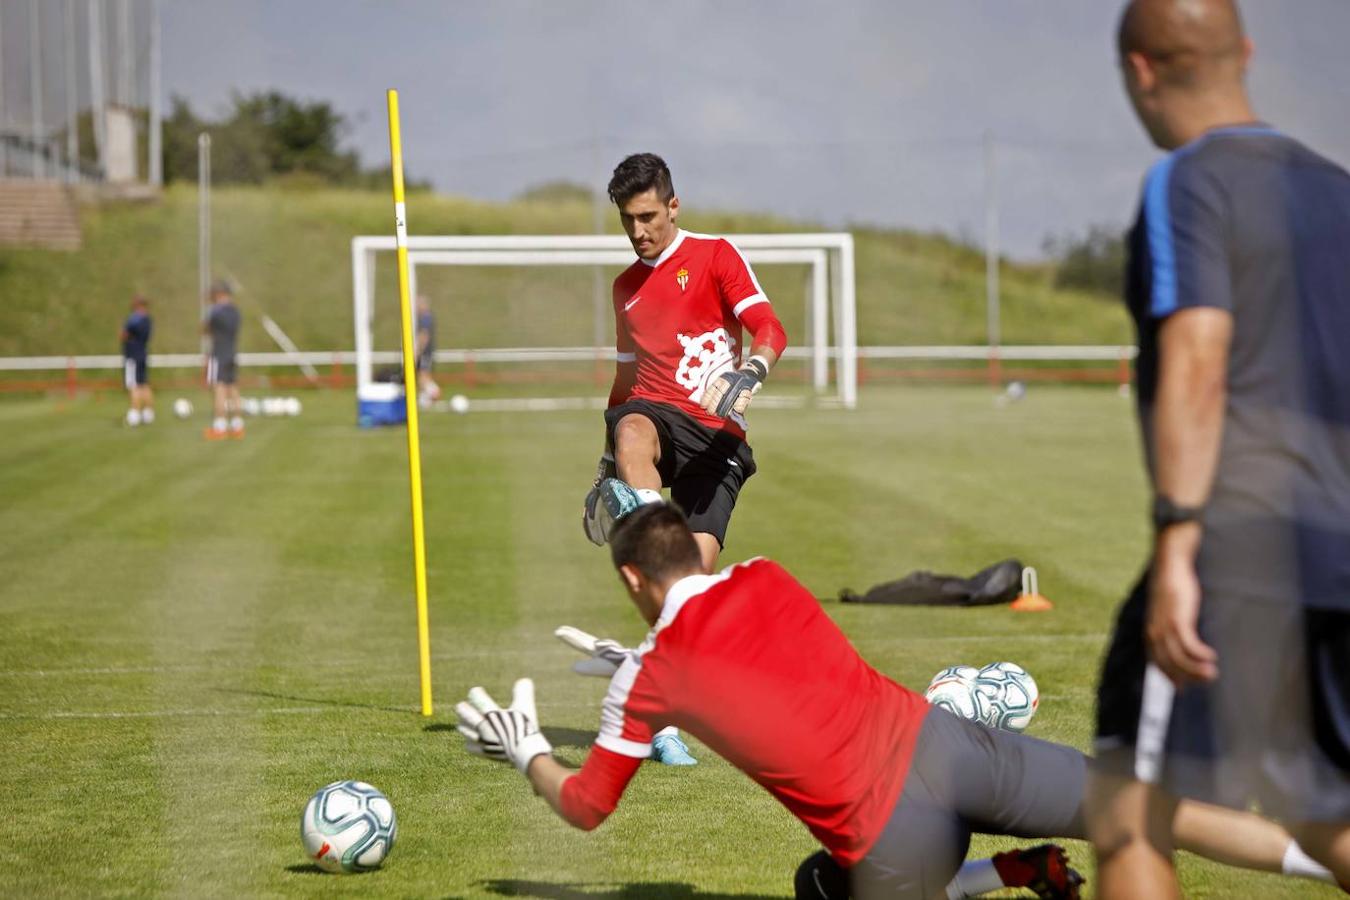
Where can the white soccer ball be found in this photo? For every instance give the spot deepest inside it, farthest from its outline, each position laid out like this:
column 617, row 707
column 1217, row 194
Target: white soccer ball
column 291, row 406
column 272, row 406
column 348, row 826
column 1016, row 390
column 1006, row 696
column 182, row 407
column 459, row 403
column 953, row 689
column 250, row 405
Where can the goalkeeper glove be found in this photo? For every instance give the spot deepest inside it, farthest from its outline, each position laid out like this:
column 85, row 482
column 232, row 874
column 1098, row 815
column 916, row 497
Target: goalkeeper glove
column 510, row 734
column 605, row 469
column 732, row 392
column 606, row 655
column 592, row 516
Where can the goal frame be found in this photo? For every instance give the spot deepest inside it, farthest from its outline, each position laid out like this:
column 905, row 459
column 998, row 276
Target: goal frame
column 833, row 294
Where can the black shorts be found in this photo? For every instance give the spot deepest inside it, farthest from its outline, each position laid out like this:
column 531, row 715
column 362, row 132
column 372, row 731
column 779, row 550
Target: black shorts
column 1274, row 729
column 135, row 373
column 966, row 778
column 221, row 370
column 424, row 362
column 704, row 469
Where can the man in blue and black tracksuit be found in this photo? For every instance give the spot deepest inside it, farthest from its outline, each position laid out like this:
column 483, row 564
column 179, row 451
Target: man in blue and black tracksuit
column 1228, row 676
column 135, row 363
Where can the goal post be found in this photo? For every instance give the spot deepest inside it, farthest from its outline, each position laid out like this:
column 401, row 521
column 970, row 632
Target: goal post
column 830, row 323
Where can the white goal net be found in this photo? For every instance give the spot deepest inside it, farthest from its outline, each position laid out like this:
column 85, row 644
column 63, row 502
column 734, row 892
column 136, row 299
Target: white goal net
column 534, row 310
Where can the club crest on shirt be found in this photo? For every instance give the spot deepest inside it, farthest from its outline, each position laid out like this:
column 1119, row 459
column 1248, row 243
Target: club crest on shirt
column 682, row 277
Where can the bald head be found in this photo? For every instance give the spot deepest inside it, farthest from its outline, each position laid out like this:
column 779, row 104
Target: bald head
column 1191, row 43
column 1184, row 62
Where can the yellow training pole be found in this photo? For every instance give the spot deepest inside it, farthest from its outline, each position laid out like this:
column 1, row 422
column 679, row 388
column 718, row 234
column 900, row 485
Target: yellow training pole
column 410, row 398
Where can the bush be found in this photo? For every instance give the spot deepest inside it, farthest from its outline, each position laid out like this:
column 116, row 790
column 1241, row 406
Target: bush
column 1093, row 262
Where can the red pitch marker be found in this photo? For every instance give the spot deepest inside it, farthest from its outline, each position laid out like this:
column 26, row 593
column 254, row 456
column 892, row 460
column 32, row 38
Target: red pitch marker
column 1031, row 599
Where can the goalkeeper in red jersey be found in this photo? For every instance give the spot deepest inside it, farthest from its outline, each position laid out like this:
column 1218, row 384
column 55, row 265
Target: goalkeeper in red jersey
column 833, row 741
column 890, row 786
column 676, row 414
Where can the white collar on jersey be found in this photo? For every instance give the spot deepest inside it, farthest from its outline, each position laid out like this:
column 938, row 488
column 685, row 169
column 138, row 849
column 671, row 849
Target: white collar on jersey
column 681, row 591
column 690, row 586
column 669, row 251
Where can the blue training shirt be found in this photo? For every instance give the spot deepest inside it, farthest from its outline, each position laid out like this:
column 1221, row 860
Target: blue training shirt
column 1247, row 220
column 137, row 340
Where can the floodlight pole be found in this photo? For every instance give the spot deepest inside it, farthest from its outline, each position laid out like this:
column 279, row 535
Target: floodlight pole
column 97, row 100
column 124, row 87
column 156, row 167
column 35, row 85
column 599, row 308
column 4, row 163
column 203, row 226
column 72, row 100
column 991, row 251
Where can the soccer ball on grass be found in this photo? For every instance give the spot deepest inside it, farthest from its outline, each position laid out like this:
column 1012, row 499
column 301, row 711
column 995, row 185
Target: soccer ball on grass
column 953, row 689
column 348, row 826
column 1006, row 696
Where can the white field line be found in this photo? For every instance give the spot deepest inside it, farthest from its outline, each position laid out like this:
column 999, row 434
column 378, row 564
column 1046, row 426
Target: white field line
column 554, row 404
column 532, row 652
column 1006, row 353
column 306, row 664
column 179, row 713
column 1079, row 637
column 198, row 713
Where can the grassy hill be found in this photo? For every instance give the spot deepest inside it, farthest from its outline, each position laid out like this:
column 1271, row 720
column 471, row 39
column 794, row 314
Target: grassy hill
column 289, row 249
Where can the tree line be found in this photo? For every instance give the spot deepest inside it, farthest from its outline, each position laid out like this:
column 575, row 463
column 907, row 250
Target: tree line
column 1093, row 261
column 267, row 136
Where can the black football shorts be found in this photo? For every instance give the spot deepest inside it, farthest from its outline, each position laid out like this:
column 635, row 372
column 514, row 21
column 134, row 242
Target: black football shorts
column 704, row 469
column 1274, row 729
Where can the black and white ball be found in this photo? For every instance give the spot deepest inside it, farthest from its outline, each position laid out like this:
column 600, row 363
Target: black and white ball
column 348, row 826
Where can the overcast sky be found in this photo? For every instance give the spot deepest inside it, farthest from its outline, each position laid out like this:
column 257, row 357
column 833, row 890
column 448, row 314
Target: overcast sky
column 839, row 112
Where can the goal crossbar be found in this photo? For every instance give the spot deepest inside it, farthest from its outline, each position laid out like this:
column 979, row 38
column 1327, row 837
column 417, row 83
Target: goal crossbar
column 829, row 256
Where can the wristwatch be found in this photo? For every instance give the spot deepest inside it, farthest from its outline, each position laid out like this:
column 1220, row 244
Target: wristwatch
column 1167, row 512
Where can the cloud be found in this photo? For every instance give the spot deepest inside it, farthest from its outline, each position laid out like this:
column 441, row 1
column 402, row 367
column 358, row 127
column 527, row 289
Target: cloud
column 868, row 111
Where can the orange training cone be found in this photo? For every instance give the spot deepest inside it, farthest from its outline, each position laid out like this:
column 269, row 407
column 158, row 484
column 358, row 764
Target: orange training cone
column 1031, row 600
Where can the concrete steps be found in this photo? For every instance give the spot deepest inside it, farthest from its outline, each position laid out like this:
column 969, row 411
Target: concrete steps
column 38, row 214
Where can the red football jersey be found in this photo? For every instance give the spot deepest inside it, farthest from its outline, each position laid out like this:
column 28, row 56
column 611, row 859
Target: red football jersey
column 749, row 663
column 679, row 318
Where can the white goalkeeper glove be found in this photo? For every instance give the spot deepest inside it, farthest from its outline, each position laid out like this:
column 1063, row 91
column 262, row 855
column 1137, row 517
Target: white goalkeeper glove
column 605, row 655
column 510, row 734
column 593, row 517
column 731, row 392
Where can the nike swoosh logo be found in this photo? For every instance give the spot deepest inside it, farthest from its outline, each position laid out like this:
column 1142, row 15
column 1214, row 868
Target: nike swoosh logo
column 631, row 303
column 734, row 463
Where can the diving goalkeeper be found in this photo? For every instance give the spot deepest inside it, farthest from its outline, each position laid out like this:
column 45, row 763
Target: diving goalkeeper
column 676, row 415
column 834, row 741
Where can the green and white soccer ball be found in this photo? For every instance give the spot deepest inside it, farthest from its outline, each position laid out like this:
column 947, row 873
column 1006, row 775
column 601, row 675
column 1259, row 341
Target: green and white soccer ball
column 348, row 826
column 953, row 689
column 1005, row 696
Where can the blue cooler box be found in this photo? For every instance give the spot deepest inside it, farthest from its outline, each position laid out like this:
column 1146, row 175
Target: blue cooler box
column 380, row 404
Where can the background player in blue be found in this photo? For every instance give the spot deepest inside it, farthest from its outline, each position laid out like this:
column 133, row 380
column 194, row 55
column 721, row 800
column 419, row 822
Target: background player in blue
column 427, row 388
column 222, row 326
column 135, row 357
column 1228, row 676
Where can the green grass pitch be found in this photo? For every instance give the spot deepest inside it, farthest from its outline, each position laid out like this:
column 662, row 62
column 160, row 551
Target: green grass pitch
column 195, row 636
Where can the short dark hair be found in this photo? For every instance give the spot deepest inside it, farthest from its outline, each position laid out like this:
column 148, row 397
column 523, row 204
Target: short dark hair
column 638, row 174
column 656, row 540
